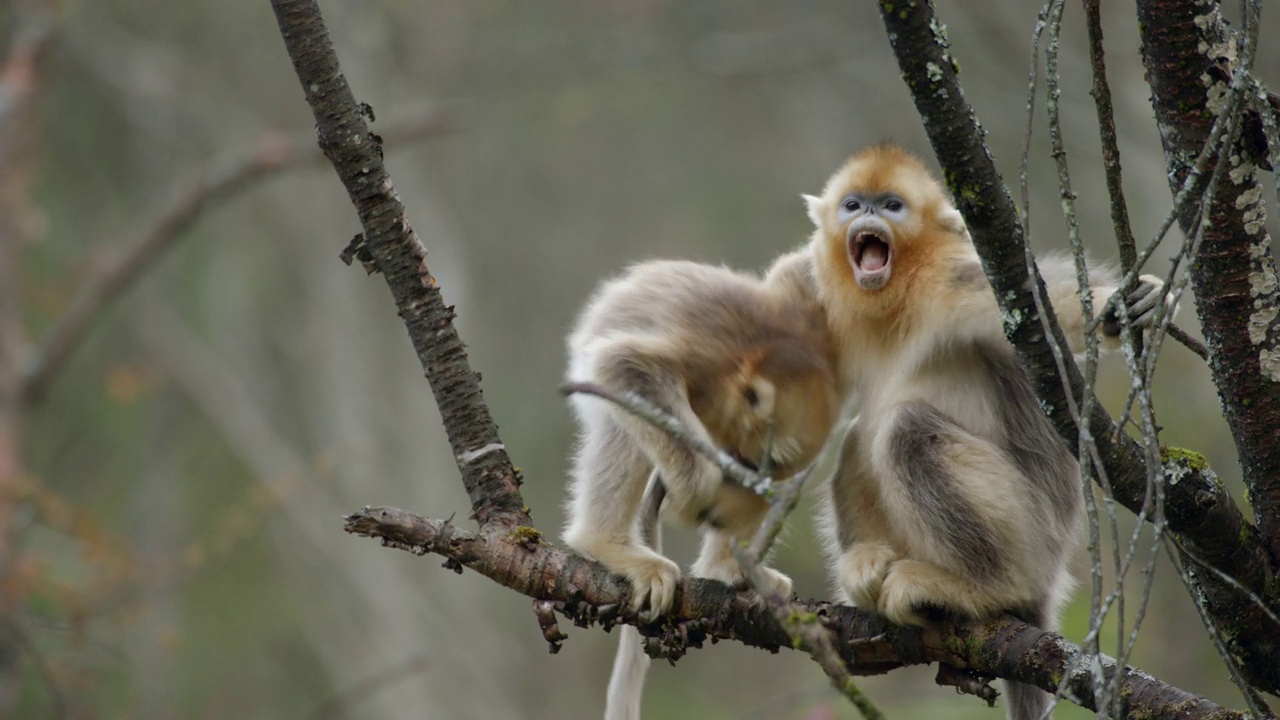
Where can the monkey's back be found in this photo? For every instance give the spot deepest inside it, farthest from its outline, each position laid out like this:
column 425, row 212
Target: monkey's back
column 707, row 314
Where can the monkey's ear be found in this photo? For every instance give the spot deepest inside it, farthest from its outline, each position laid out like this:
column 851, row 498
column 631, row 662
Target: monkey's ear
column 813, row 205
column 951, row 219
column 760, row 395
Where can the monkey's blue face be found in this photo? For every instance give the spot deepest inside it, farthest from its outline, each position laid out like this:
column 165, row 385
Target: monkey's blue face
column 869, row 220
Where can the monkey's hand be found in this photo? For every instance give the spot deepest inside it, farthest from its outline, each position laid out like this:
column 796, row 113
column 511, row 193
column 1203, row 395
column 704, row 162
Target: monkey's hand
column 736, row 511
column 861, row 572
column 691, row 495
column 1140, row 305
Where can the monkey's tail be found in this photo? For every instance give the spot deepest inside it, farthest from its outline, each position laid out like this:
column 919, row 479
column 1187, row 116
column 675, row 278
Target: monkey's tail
column 630, row 664
column 626, row 684
column 1026, row 702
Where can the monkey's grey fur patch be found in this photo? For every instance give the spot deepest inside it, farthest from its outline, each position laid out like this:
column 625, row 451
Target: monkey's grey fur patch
column 1032, row 443
column 917, row 445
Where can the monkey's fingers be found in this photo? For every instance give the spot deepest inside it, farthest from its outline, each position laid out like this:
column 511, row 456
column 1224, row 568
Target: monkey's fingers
column 1144, row 300
column 861, row 571
column 653, row 587
column 1140, row 306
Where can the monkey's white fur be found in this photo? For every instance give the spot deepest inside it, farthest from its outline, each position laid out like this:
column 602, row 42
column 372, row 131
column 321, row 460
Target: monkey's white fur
column 743, row 362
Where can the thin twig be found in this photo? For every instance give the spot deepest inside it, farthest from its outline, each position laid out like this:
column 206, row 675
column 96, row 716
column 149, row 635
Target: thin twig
column 1085, row 446
column 807, row 632
column 274, row 153
column 1189, row 342
column 1110, row 147
column 642, row 408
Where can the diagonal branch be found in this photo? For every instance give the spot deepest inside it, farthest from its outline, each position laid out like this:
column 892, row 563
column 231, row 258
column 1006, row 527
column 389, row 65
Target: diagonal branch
column 704, row 609
column 1198, row 509
column 274, row 154
column 356, row 153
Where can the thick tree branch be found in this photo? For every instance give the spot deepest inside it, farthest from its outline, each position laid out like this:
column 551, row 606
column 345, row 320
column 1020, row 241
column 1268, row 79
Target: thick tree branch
column 356, row 153
column 1198, row 509
column 1188, row 54
column 586, row 592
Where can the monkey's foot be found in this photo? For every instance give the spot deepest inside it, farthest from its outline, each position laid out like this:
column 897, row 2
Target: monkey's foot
column 727, row 571
column 861, row 572
column 653, row 585
column 915, row 591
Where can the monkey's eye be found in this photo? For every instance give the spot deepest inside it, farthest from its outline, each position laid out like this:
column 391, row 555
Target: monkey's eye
column 852, row 205
column 750, row 395
column 893, row 205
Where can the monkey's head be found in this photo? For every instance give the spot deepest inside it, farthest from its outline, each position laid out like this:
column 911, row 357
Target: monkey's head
column 881, row 219
column 781, row 405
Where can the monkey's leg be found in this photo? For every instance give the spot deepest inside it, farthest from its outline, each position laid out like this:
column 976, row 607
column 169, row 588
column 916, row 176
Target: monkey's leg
column 609, row 479
column 716, row 562
column 860, row 527
column 631, row 664
column 962, row 505
column 736, row 516
column 639, row 366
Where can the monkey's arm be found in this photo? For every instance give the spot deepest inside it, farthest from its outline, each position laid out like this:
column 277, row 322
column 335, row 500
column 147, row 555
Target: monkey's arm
column 967, row 310
column 862, row 550
column 1060, row 281
column 645, row 365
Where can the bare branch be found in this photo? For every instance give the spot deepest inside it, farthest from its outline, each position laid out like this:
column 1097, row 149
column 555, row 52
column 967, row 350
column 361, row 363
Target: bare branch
column 356, row 153
column 274, row 154
column 867, row 644
column 642, row 408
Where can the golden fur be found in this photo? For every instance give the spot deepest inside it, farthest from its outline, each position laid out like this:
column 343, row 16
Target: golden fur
column 953, row 493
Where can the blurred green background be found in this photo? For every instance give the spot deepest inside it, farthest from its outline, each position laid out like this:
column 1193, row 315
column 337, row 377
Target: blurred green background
column 185, row 557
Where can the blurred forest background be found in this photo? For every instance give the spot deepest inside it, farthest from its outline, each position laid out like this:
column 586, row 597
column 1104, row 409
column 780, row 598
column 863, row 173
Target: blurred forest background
column 178, row 550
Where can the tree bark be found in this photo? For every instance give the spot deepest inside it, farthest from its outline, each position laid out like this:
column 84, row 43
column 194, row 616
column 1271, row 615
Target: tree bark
column 586, row 592
column 1188, row 54
column 356, row 153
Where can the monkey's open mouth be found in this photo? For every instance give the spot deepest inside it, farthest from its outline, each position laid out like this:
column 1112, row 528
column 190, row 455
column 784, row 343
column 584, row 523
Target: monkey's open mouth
column 871, row 255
